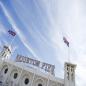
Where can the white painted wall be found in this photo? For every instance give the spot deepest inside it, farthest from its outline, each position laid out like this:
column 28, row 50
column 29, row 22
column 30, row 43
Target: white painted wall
column 23, row 73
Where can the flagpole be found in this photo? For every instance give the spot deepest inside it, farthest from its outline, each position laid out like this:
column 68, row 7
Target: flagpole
column 14, row 35
column 11, row 44
column 69, row 54
column 68, row 46
column 12, row 41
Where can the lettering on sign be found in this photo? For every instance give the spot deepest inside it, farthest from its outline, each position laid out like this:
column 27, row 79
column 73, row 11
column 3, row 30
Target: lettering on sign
column 47, row 67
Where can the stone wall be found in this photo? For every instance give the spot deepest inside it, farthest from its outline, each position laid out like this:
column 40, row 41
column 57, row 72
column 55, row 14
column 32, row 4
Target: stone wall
column 12, row 75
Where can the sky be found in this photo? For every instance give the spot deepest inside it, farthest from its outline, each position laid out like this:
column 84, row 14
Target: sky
column 40, row 26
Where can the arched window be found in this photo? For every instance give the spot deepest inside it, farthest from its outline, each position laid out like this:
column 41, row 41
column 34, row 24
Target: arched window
column 26, row 81
column 40, row 84
column 15, row 75
column 5, row 71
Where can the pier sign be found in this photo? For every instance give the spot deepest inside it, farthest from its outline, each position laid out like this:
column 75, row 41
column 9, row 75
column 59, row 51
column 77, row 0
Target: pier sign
column 47, row 67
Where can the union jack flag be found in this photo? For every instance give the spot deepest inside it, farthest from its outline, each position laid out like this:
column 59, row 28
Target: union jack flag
column 66, row 41
column 12, row 32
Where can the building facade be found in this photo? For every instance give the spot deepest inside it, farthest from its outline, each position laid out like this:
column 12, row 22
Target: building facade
column 17, row 74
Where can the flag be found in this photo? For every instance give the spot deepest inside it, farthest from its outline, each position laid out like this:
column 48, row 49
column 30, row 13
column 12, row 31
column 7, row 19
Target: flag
column 11, row 32
column 66, row 41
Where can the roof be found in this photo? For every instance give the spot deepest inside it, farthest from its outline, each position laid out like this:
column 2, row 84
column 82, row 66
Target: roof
column 67, row 63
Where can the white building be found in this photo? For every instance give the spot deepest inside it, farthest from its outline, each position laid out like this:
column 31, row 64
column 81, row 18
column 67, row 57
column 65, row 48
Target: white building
column 17, row 74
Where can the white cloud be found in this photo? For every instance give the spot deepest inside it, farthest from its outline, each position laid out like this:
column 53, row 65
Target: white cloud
column 69, row 21
column 19, row 33
column 67, row 18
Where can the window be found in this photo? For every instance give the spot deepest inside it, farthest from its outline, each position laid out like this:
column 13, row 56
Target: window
column 67, row 68
column 26, row 81
column 72, row 76
column 6, row 70
column 39, row 84
column 72, row 70
column 15, row 75
column 68, row 75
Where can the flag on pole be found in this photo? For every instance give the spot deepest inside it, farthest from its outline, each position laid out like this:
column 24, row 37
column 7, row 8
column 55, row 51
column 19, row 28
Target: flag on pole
column 12, row 32
column 66, row 41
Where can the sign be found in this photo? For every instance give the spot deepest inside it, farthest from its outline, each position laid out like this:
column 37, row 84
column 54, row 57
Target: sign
column 47, row 67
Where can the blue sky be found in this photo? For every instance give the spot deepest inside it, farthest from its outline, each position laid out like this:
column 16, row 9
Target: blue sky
column 40, row 26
